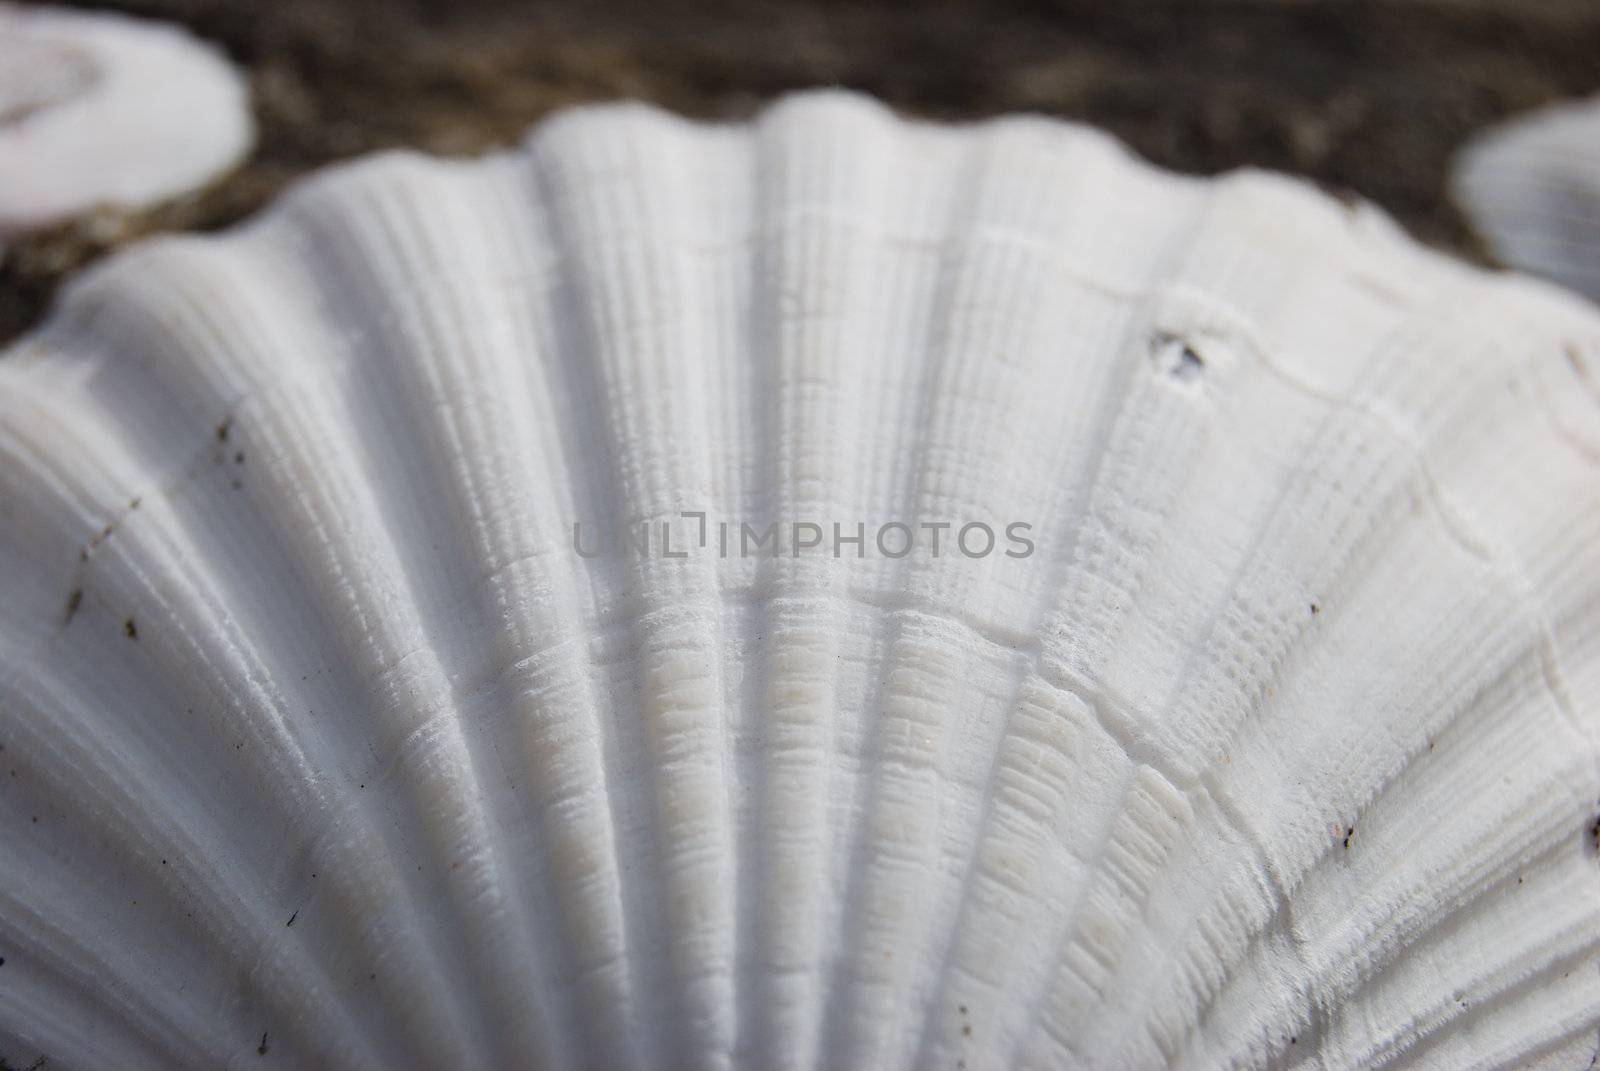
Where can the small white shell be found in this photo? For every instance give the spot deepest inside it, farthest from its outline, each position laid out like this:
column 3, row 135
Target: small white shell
column 324, row 747
column 1531, row 187
column 104, row 109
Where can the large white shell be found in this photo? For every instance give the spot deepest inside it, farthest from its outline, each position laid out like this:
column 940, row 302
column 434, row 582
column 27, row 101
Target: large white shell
column 102, row 109
column 1532, row 188
column 324, row 747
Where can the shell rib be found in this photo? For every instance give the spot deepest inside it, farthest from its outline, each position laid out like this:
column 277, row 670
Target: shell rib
column 325, row 746
column 103, row 109
column 1532, row 189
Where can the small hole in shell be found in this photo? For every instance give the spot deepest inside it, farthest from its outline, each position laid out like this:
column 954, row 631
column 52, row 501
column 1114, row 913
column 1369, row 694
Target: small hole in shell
column 1175, row 357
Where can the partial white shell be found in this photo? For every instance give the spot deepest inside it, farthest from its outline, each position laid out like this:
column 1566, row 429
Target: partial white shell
column 103, row 109
column 1531, row 187
column 324, row 747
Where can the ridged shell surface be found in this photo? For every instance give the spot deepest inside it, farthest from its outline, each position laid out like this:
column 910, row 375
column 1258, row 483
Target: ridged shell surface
column 1531, row 187
column 327, row 744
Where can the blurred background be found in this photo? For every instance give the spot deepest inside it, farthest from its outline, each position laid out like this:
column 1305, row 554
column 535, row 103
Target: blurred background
column 1364, row 97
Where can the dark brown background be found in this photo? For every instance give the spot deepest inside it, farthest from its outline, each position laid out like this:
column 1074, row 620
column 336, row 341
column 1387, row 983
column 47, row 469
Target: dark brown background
column 1365, row 96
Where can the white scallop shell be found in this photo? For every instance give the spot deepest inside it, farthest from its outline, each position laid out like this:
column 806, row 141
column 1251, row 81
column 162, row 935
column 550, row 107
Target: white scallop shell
column 100, row 108
column 1531, row 187
column 324, row 746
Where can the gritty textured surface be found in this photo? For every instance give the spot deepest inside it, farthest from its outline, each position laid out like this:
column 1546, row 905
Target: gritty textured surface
column 323, row 747
column 1370, row 97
